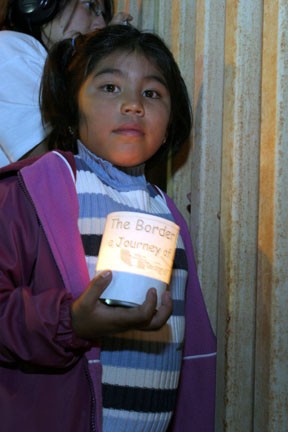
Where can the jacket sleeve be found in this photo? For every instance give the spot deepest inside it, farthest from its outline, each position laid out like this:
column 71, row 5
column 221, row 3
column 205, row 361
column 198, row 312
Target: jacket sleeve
column 195, row 406
column 21, row 68
column 35, row 323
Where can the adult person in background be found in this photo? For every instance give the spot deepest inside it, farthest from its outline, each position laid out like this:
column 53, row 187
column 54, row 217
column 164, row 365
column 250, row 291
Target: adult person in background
column 28, row 30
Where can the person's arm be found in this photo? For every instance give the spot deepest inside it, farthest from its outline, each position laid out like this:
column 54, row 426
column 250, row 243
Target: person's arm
column 21, row 66
column 35, row 320
column 195, row 405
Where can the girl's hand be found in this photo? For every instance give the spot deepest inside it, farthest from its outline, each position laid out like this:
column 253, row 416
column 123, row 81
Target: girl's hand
column 91, row 318
column 121, row 18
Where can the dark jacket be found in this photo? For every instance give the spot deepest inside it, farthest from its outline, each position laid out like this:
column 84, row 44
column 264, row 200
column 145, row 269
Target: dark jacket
column 45, row 381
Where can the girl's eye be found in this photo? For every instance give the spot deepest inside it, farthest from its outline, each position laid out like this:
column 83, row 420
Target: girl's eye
column 151, row 94
column 110, row 88
column 93, row 7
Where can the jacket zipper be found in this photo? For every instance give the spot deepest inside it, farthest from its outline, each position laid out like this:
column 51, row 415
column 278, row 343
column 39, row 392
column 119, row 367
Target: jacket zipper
column 93, row 399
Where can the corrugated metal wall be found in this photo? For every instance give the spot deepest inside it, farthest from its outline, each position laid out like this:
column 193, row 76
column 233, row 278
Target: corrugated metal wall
column 234, row 58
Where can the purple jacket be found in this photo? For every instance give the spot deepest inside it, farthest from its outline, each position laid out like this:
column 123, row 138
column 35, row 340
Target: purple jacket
column 45, row 381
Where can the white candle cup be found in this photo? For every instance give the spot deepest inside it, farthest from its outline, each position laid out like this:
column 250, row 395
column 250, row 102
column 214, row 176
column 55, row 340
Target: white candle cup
column 140, row 250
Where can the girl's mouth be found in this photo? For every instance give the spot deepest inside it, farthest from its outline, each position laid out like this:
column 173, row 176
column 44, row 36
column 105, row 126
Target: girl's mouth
column 129, row 130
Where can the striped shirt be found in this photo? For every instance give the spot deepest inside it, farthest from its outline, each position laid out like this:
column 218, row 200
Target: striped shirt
column 140, row 369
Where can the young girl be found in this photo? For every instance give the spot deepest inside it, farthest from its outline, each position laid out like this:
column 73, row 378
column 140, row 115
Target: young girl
column 28, row 30
column 114, row 99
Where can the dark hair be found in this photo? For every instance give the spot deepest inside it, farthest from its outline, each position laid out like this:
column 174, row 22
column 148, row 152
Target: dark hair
column 15, row 20
column 70, row 62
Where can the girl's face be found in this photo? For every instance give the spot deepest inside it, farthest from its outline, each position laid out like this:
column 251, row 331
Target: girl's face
column 124, row 109
column 79, row 16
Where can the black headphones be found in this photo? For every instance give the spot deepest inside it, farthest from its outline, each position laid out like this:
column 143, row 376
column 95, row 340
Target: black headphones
column 36, row 12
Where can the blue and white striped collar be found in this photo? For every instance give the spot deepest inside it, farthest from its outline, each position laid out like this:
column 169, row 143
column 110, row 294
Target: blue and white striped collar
column 118, row 178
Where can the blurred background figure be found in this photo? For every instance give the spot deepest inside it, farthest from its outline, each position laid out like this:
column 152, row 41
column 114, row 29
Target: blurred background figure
column 28, row 30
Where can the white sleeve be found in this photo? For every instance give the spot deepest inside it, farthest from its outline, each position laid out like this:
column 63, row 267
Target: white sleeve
column 21, row 66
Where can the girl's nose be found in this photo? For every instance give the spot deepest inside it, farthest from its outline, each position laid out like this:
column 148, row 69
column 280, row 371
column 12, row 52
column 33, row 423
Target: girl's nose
column 132, row 107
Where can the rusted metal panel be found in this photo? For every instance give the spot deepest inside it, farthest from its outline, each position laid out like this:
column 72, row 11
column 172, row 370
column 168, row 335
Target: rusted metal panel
column 271, row 371
column 239, row 216
column 207, row 145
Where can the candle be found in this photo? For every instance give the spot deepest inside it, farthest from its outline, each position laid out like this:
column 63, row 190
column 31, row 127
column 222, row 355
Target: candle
column 140, row 250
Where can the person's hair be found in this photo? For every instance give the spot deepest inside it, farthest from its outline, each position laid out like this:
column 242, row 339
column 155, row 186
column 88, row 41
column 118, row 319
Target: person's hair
column 70, row 62
column 12, row 19
column 3, row 11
